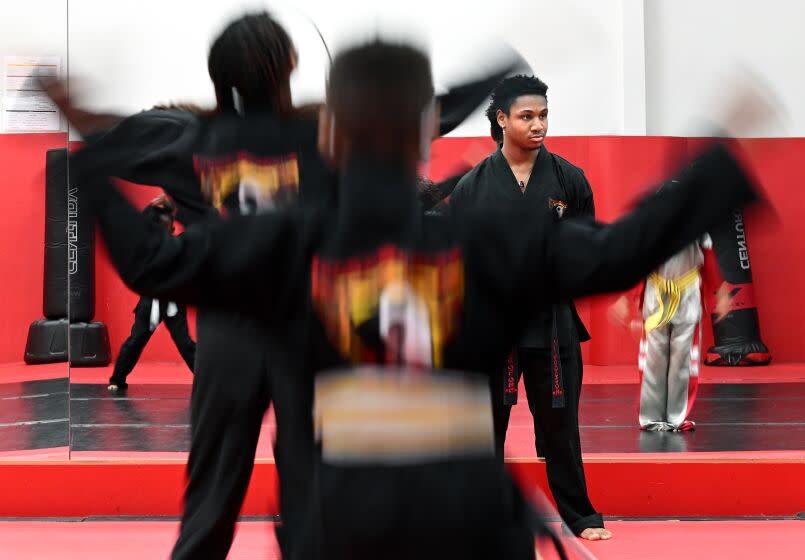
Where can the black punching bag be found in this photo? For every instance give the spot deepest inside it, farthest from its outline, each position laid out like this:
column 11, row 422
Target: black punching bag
column 69, row 261
column 54, row 293
column 737, row 336
column 80, row 256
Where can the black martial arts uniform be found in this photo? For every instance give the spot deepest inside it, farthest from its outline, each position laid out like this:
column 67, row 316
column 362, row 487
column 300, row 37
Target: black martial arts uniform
column 556, row 190
column 144, row 325
column 148, row 314
column 290, row 270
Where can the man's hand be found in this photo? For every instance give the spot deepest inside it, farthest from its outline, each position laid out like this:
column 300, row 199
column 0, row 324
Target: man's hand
column 620, row 313
column 750, row 106
column 162, row 201
column 85, row 122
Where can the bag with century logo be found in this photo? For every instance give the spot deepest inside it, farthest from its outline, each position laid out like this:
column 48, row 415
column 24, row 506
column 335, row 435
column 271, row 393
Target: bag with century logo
column 737, row 337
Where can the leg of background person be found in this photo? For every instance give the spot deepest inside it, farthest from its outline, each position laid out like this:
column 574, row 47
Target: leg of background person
column 500, row 412
column 654, row 384
column 133, row 346
column 681, row 386
column 177, row 326
column 560, row 428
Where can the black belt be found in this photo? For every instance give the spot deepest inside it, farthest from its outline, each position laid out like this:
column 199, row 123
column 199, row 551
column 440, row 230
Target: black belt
column 512, row 371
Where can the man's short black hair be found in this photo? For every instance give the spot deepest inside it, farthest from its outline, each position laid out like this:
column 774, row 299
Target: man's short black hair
column 378, row 92
column 506, row 92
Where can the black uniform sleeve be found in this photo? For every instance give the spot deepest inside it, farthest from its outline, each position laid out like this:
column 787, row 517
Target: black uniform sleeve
column 448, row 186
column 137, row 147
column 459, row 198
column 245, row 262
column 586, row 258
column 585, row 201
column 149, row 148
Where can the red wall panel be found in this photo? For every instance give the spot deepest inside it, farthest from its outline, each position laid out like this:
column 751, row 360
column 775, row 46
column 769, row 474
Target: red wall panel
column 618, row 169
column 22, row 236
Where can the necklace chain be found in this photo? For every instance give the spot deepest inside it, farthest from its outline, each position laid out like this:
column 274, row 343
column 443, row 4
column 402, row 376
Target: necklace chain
column 523, row 184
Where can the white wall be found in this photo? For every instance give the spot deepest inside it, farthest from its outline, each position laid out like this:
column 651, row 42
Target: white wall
column 694, row 46
column 33, row 28
column 613, row 66
column 131, row 55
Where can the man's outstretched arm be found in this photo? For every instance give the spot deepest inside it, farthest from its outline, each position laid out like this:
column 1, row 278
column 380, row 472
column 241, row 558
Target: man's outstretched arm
column 590, row 258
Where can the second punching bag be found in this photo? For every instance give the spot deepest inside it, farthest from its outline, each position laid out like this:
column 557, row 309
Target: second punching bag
column 737, row 336
column 80, row 255
column 89, row 340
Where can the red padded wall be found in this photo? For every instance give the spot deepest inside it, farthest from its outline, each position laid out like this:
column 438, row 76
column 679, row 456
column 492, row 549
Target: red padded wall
column 22, row 236
column 617, row 167
column 778, row 254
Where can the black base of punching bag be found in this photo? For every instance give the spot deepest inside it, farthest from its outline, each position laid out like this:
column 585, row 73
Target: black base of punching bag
column 89, row 345
column 47, row 343
column 738, row 354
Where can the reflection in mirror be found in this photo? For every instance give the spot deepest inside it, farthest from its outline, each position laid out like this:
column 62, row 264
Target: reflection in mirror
column 33, row 236
column 138, row 405
column 139, row 402
column 89, row 338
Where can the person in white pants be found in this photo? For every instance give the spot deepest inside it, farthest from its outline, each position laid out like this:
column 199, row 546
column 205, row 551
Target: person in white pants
column 671, row 302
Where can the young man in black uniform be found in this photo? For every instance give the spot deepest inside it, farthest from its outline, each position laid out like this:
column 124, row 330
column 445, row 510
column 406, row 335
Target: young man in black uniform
column 524, row 174
column 149, row 313
column 281, row 267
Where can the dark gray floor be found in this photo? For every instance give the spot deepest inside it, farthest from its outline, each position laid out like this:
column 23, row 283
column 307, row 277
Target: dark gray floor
column 746, row 417
column 143, row 418
column 729, row 418
column 33, row 415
